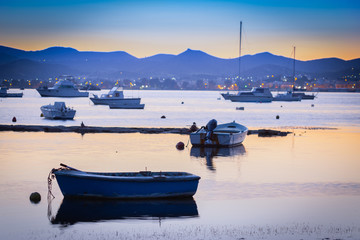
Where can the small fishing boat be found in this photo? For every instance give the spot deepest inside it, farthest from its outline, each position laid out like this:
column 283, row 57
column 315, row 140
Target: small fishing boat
column 5, row 93
column 115, row 99
column 58, row 110
column 143, row 184
column 222, row 135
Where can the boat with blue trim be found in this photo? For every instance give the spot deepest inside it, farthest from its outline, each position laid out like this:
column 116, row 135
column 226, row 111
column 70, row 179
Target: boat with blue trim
column 143, row 184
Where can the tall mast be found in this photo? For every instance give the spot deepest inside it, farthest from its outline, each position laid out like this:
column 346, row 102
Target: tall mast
column 240, row 49
column 294, row 68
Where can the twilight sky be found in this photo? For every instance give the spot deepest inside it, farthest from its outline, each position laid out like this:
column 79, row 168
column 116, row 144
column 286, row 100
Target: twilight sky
column 318, row 28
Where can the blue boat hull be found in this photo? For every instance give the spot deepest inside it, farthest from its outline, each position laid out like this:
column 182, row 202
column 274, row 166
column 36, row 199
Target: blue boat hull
column 97, row 186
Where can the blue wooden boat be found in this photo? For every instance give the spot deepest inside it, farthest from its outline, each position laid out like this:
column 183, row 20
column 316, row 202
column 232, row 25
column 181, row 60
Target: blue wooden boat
column 143, row 184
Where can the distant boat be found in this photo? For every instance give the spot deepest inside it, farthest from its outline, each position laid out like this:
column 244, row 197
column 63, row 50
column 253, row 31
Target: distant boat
column 222, row 135
column 58, row 111
column 289, row 96
column 294, row 95
column 115, row 99
column 304, row 96
column 73, row 210
column 90, row 88
column 143, row 184
column 257, row 94
column 5, row 94
column 63, row 88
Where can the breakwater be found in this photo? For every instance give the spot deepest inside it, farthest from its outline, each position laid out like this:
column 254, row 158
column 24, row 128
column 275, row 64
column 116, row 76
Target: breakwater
column 94, row 129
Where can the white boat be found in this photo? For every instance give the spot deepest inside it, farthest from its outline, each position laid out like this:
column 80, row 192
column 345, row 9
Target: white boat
column 289, row 96
column 222, row 135
column 304, row 96
column 257, row 94
column 115, row 99
column 4, row 93
column 63, row 88
column 58, row 111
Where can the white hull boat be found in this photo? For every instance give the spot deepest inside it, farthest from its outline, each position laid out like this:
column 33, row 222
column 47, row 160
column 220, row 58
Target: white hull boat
column 115, row 99
column 287, row 97
column 63, row 88
column 5, row 93
column 222, row 135
column 255, row 95
column 58, row 111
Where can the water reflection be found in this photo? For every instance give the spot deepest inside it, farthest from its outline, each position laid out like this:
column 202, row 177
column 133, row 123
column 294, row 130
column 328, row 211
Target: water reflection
column 72, row 211
column 210, row 152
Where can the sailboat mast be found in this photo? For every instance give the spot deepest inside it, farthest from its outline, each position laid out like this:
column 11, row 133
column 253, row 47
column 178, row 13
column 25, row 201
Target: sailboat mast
column 294, row 68
column 240, row 50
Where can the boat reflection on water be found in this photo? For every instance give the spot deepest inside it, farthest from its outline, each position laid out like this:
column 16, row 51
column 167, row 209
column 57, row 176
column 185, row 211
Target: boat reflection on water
column 210, row 152
column 74, row 210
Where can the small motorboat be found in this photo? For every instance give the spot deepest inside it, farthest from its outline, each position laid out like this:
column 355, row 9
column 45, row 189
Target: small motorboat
column 115, row 99
column 143, row 184
column 58, row 110
column 5, row 93
column 222, row 135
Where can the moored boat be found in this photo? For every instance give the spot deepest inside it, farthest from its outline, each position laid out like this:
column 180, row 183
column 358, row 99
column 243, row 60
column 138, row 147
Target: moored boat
column 58, row 110
column 289, row 96
column 222, row 135
column 304, row 96
column 143, row 184
column 257, row 94
column 5, row 93
column 63, row 88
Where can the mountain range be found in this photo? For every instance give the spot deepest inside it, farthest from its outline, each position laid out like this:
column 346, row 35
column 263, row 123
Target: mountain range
column 56, row 61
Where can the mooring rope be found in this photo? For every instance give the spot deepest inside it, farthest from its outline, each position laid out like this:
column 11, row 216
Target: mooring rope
column 49, row 180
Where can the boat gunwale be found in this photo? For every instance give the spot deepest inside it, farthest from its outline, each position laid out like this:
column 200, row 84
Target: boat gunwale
column 102, row 176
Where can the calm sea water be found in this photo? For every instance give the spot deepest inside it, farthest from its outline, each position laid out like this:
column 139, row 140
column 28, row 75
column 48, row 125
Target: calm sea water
column 329, row 110
column 302, row 186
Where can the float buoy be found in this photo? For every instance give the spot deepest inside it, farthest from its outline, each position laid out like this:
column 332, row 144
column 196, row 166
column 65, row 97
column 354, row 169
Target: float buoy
column 182, row 102
column 180, row 146
column 277, row 116
column 35, row 197
column 41, row 115
column 14, row 119
column 163, row 116
column 312, row 105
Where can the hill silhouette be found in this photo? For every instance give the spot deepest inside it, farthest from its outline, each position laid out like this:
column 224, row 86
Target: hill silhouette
column 54, row 61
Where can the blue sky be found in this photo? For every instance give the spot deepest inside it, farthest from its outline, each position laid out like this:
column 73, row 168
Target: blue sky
column 318, row 29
